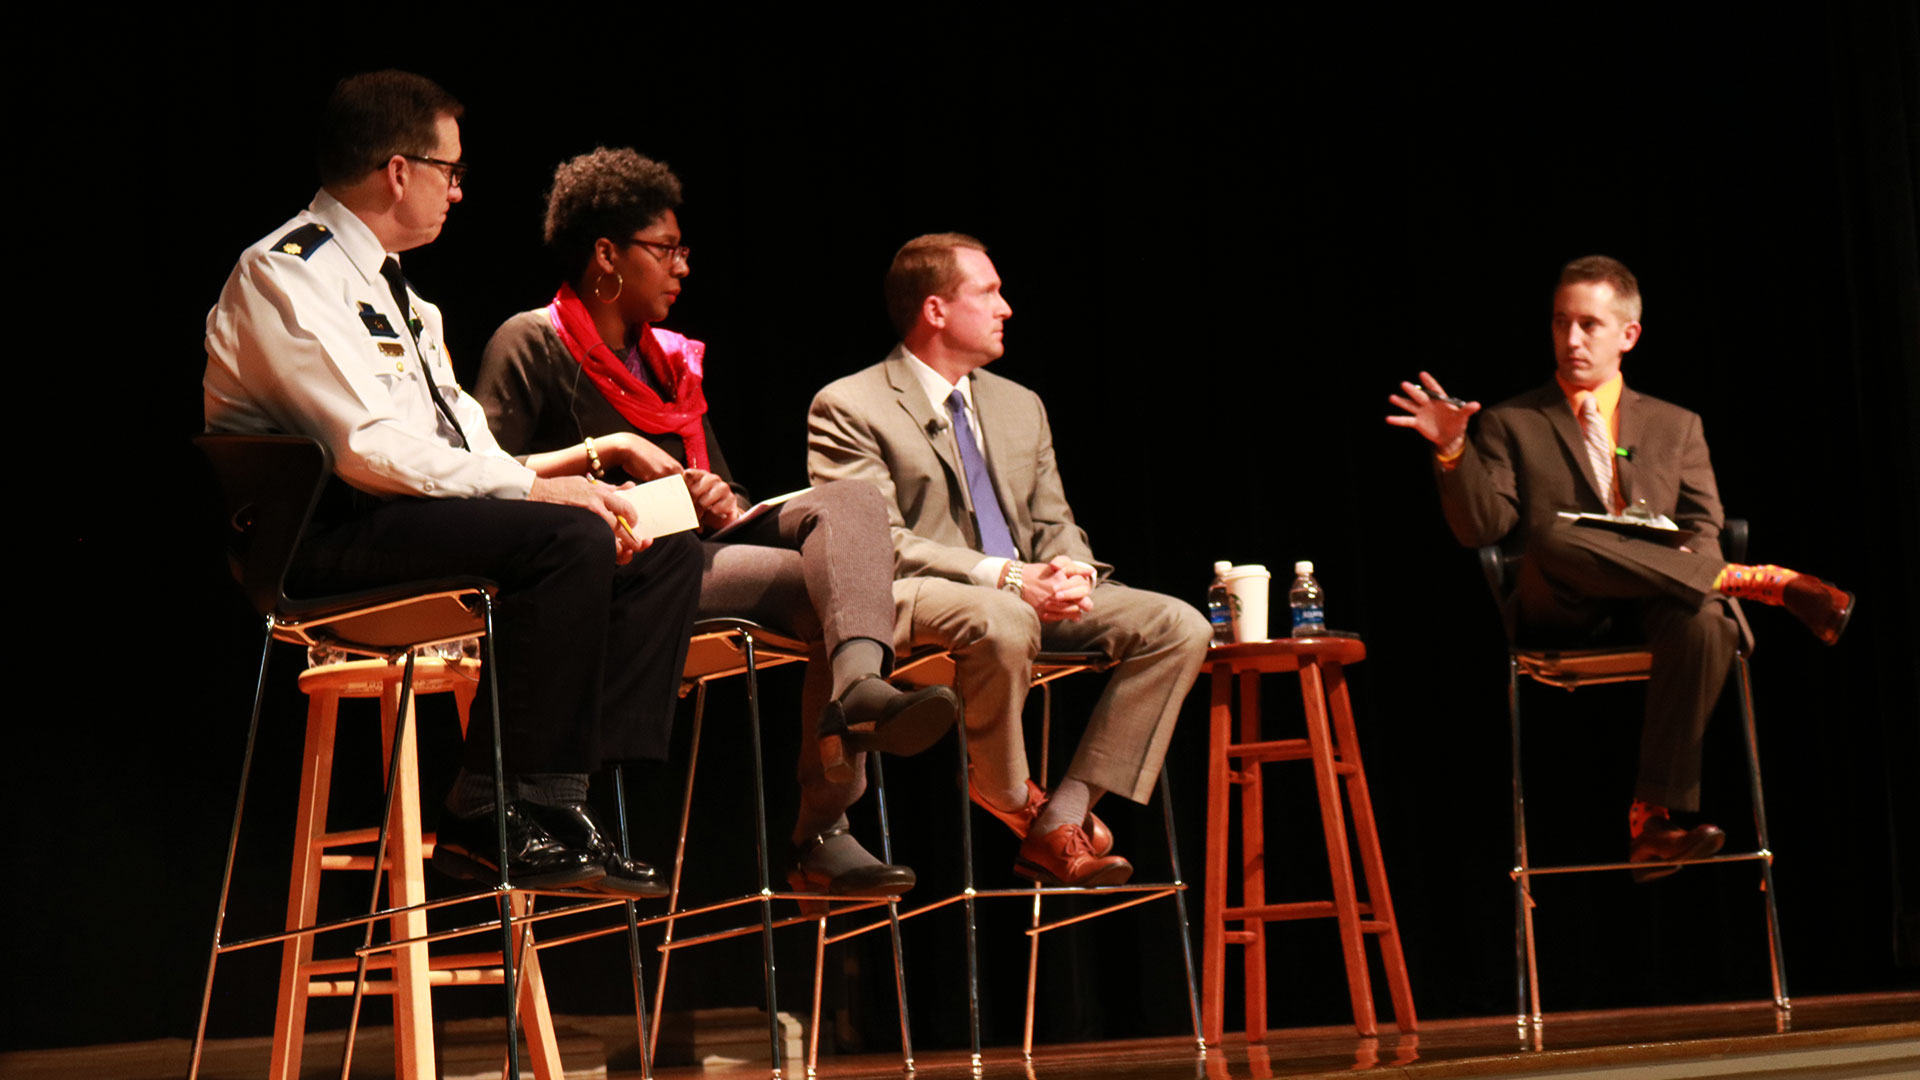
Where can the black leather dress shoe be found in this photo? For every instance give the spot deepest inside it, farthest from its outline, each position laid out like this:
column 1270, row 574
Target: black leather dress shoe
column 907, row 724
column 574, row 827
column 469, row 848
column 1661, row 840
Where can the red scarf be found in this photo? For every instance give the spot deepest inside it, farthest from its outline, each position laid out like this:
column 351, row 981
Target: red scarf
column 673, row 359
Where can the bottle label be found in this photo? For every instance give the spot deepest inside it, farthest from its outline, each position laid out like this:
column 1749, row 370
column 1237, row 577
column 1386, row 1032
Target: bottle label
column 1309, row 616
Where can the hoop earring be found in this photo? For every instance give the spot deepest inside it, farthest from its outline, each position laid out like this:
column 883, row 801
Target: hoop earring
column 619, row 283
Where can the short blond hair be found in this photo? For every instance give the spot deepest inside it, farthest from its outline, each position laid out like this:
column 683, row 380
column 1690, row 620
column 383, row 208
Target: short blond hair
column 1609, row 271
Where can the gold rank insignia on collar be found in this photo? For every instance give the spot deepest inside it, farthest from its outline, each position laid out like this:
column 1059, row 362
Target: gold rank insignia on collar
column 302, row 242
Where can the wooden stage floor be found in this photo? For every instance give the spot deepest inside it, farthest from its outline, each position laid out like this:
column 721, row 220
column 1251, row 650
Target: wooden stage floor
column 1855, row 1037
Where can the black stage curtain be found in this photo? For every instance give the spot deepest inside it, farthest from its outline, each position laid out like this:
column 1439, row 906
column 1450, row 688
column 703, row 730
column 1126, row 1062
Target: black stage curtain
column 1226, row 237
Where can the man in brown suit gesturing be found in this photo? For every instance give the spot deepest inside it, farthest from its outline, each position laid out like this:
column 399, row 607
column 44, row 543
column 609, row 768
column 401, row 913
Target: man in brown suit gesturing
column 1584, row 443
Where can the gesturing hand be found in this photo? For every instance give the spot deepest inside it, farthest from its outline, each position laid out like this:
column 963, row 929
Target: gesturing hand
column 1428, row 412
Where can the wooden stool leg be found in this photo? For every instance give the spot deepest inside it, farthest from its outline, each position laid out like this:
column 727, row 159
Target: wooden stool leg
column 406, row 886
column 1347, row 741
column 1213, row 928
column 303, row 890
column 536, row 1019
column 1253, row 861
column 1339, row 861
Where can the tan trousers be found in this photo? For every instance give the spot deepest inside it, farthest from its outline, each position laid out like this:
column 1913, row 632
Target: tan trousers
column 1158, row 644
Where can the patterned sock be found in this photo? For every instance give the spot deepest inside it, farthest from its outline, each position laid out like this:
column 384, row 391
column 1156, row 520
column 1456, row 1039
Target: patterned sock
column 552, row 788
column 1639, row 814
column 1068, row 805
column 472, row 794
column 1762, row 584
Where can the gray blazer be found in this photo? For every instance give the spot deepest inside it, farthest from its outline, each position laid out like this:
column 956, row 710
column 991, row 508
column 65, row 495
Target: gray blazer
column 877, row 425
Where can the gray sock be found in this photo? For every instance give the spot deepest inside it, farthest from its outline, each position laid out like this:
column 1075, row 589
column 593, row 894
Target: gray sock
column 837, row 855
column 854, row 658
column 1012, row 796
column 1068, row 805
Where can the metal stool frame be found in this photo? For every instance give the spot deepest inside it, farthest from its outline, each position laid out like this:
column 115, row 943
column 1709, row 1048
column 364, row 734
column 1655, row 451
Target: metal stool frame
column 936, row 668
column 1569, row 669
column 756, row 648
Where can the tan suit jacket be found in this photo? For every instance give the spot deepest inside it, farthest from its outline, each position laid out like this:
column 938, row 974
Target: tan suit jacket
column 877, row 425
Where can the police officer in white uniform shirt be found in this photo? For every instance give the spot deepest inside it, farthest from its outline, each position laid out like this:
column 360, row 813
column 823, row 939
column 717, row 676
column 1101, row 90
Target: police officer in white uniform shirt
column 318, row 333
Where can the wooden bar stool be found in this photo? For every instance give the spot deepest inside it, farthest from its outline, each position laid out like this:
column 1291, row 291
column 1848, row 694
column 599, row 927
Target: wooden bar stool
column 1335, row 753
column 412, row 973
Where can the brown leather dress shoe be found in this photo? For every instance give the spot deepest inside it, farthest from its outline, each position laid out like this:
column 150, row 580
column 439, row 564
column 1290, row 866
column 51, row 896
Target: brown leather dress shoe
column 1065, row 857
column 1021, row 820
column 1660, row 840
column 1822, row 607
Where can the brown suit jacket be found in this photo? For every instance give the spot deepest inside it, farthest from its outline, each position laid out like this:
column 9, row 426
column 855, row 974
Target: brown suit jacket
column 1526, row 462
column 1527, row 459
column 877, row 425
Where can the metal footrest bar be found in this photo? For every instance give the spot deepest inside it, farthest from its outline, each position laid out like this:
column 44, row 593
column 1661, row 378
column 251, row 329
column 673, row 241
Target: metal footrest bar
column 792, row 920
column 1537, row 871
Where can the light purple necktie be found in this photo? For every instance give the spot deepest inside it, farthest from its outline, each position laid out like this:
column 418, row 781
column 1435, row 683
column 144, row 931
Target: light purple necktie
column 995, row 538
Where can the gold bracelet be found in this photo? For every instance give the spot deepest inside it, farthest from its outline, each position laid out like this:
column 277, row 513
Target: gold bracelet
column 1014, row 580
column 593, row 458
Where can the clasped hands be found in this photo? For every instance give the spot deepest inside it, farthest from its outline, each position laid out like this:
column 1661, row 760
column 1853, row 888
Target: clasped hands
column 1059, row 589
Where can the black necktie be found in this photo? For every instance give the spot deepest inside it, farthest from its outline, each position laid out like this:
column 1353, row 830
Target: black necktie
column 397, row 282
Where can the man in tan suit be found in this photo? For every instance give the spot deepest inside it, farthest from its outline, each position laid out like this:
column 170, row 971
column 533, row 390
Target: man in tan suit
column 991, row 564
column 1585, row 443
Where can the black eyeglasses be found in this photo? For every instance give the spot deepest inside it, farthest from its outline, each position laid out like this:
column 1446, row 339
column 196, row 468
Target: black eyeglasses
column 666, row 253
column 456, row 171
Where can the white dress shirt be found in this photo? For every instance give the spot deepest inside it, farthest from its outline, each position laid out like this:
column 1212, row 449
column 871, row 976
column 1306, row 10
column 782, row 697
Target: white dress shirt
column 307, row 339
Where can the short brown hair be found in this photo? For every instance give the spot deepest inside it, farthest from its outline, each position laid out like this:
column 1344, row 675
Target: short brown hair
column 924, row 266
column 1605, row 270
column 369, row 118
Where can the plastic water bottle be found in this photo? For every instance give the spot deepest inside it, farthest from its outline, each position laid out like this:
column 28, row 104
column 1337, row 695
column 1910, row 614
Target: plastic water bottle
column 1220, row 605
column 1307, row 601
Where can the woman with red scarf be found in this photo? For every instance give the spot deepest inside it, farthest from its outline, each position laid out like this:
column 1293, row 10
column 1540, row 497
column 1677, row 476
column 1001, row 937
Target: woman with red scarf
column 594, row 376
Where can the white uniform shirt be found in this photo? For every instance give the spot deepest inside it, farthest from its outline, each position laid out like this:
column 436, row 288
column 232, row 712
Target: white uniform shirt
column 307, row 339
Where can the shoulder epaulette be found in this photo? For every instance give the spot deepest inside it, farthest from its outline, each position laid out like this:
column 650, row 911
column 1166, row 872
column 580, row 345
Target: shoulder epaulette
column 303, row 241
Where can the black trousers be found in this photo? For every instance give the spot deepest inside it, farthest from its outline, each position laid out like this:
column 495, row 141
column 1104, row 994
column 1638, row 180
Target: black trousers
column 588, row 653
column 1574, row 578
